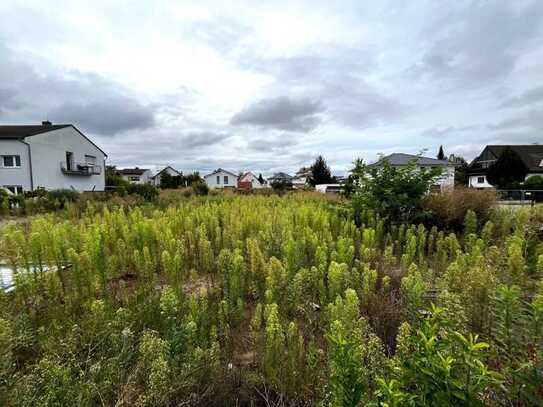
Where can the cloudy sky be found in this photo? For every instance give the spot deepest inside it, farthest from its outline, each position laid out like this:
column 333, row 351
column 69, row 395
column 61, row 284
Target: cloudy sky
column 268, row 85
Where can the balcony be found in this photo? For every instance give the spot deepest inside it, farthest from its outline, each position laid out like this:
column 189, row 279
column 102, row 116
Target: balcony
column 80, row 169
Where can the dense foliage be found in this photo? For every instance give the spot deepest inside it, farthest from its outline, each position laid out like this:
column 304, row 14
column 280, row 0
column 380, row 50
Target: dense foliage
column 258, row 300
column 393, row 192
column 320, row 172
column 508, row 171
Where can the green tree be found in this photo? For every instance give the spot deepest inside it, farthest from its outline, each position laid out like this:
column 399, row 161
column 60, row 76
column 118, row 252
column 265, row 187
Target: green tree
column 508, row 170
column 320, row 172
column 393, row 192
column 441, row 154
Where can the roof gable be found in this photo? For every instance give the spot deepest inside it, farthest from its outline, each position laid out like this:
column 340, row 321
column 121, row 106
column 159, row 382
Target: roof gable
column 530, row 154
column 219, row 170
column 164, row 169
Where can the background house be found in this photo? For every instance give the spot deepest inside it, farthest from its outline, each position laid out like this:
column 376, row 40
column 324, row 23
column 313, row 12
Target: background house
column 52, row 156
column 249, row 180
column 155, row 179
column 301, row 177
column 446, row 180
column 280, row 178
column 531, row 155
column 136, row 175
column 221, row 179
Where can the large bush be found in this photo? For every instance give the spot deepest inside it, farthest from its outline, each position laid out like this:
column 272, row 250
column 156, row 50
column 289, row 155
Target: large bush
column 395, row 193
column 449, row 209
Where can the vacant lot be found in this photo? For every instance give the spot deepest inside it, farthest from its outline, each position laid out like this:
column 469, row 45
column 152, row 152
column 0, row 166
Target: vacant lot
column 270, row 301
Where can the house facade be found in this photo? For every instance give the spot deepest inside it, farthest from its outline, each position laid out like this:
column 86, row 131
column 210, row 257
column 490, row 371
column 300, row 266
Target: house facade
column 49, row 156
column 446, row 180
column 530, row 154
column 155, row 179
column 136, row 175
column 221, row 179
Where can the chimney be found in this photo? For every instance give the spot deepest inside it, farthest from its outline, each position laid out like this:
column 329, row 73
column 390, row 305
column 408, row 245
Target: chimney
column 46, row 123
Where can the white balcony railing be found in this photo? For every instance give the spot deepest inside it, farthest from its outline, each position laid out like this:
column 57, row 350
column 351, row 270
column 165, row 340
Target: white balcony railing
column 80, row 168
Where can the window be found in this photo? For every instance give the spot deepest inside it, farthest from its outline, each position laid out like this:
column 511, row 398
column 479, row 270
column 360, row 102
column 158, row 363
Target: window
column 69, row 160
column 90, row 159
column 480, row 180
column 11, row 161
column 134, row 178
column 226, row 179
column 218, row 179
column 14, row 189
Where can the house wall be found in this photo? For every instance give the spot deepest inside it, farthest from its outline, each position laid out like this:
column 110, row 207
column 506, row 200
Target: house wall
column 49, row 152
column 447, row 178
column 144, row 178
column 474, row 184
column 15, row 176
column 211, row 180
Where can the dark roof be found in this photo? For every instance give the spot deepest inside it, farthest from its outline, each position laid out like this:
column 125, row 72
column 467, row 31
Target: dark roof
column 530, row 154
column 22, row 131
column 132, row 171
column 398, row 159
column 281, row 175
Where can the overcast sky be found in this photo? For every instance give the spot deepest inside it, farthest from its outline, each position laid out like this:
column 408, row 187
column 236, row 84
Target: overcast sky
column 268, row 85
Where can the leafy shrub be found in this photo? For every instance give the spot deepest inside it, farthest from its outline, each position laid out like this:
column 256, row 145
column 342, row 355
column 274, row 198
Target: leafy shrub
column 534, row 182
column 449, row 209
column 392, row 192
column 200, row 188
column 147, row 191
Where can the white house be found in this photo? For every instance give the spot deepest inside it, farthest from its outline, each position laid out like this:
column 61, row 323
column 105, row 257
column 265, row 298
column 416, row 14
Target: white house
column 250, row 181
column 221, row 179
column 136, row 175
column 446, row 180
column 50, row 156
column 530, row 154
column 155, row 179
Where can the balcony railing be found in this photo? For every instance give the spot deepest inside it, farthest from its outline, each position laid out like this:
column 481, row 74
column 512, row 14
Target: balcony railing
column 80, row 168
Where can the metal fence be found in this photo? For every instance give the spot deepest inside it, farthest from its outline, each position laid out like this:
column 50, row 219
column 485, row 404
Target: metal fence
column 522, row 196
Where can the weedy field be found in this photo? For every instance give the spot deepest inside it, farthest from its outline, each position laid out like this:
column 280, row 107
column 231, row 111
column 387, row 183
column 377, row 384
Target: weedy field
column 266, row 300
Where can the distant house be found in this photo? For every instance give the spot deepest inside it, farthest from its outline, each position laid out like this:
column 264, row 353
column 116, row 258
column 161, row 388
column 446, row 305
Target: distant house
column 155, row 179
column 249, row 180
column 136, row 175
column 531, row 155
column 446, row 180
column 280, row 178
column 301, row 177
column 52, row 156
column 221, row 179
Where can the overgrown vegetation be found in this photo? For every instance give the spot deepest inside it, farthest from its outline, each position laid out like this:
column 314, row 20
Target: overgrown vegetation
column 267, row 300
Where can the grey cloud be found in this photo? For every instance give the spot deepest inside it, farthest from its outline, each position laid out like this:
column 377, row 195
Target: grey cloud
column 111, row 116
column 273, row 144
column 202, row 138
column 336, row 77
column 528, row 97
column 96, row 104
column 438, row 132
column 532, row 119
column 283, row 113
column 478, row 43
